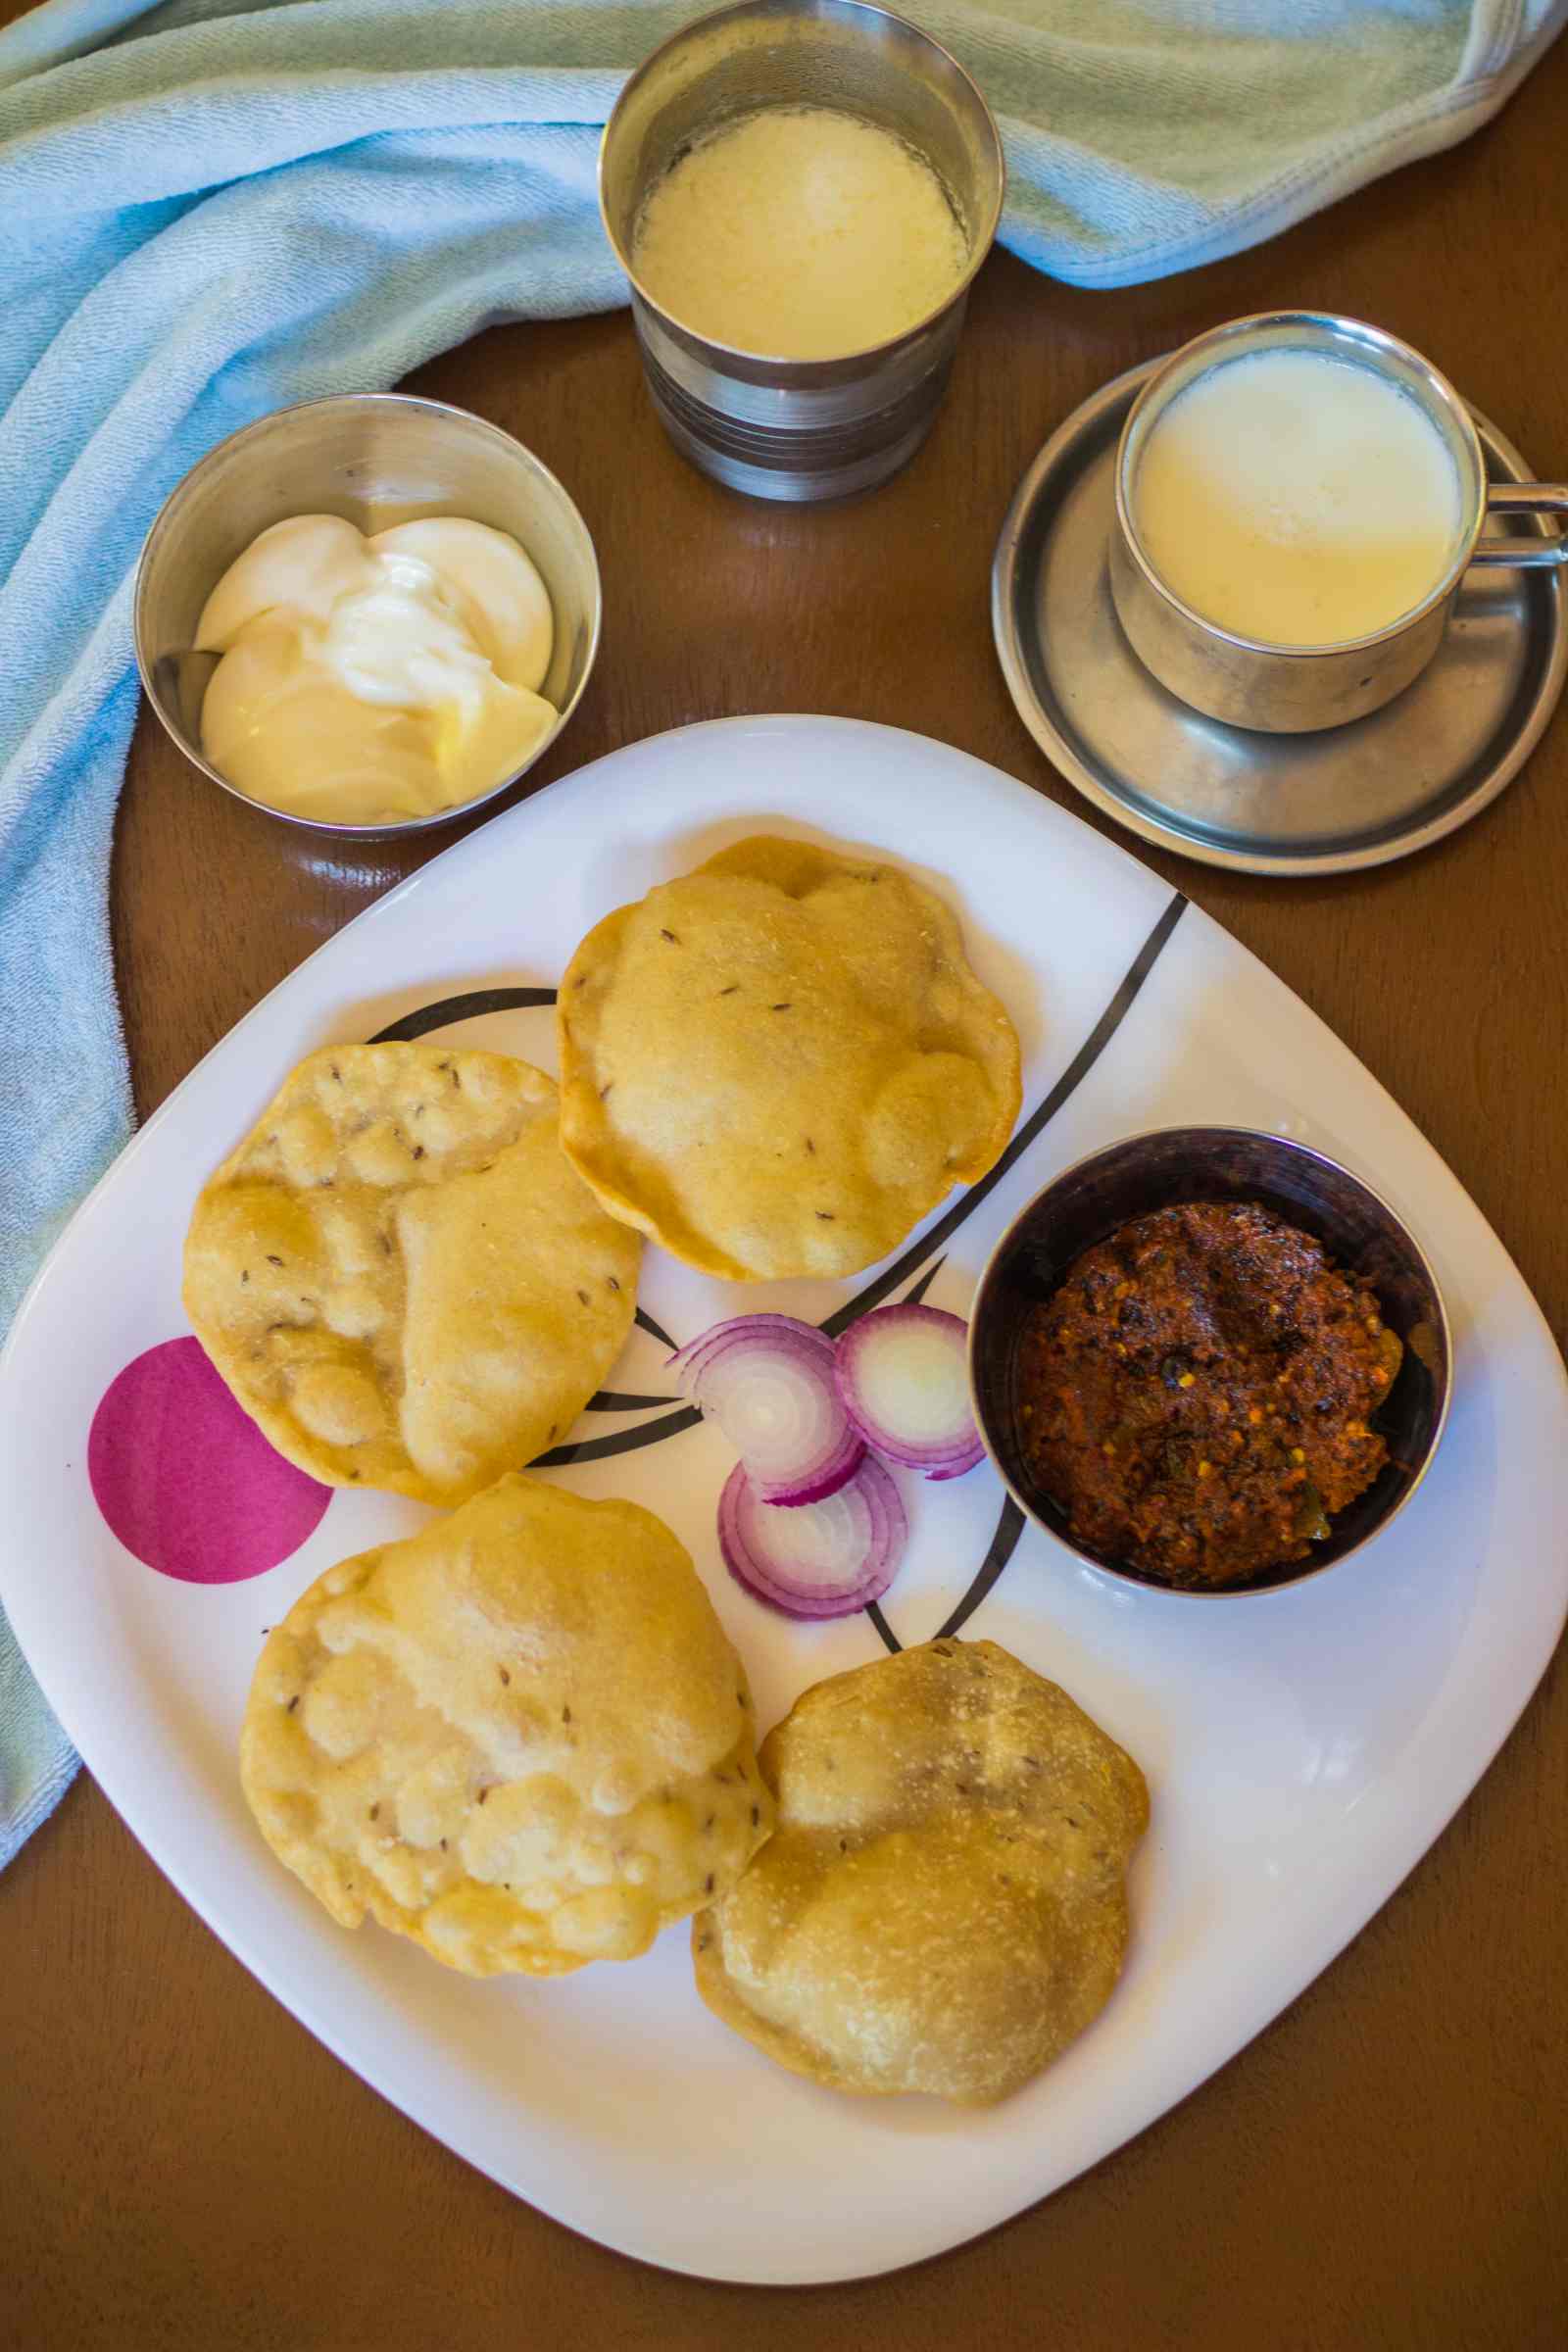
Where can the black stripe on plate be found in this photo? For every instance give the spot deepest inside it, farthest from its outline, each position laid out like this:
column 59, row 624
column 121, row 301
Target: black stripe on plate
column 468, row 1008
column 873, row 1610
column 914, row 1296
column 623, row 1440
column 1003, row 1543
column 656, row 1330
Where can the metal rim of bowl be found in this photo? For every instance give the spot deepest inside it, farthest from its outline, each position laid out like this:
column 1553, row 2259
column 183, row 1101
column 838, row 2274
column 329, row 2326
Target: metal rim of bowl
column 983, row 241
column 1130, row 1576
column 399, row 825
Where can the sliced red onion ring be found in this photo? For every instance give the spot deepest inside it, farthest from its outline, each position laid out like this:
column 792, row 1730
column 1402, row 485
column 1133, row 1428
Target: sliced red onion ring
column 903, row 1373
column 769, row 1381
column 826, row 1559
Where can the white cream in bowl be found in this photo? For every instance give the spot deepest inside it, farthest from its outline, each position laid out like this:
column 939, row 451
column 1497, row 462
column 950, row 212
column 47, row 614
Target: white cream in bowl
column 368, row 679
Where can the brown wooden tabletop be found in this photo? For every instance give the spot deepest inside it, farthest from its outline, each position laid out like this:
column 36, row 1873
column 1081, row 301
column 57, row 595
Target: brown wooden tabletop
column 1387, row 2165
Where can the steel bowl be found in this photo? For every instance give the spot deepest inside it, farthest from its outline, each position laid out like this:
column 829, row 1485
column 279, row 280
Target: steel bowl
column 1293, row 690
column 375, row 459
column 799, row 429
column 1089, row 1201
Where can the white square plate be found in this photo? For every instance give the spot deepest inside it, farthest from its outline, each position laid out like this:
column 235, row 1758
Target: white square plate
column 1302, row 1751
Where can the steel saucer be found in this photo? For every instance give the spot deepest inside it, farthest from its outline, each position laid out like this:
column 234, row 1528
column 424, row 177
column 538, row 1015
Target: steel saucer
column 1326, row 803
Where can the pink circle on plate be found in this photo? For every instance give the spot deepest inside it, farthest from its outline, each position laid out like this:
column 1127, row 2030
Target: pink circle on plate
column 186, row 1480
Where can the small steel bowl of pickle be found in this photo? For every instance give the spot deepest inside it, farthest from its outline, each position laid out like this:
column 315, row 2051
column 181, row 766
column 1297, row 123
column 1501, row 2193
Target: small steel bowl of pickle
column 1211, row 1361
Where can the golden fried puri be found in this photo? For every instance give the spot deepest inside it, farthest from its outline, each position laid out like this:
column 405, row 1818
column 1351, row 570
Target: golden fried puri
column 942, row 1907
column 520, row 1737
column 399, row 1275
column 778, row 1064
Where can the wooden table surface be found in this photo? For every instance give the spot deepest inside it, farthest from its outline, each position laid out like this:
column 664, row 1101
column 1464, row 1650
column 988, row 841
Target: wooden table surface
column 1387, row 2165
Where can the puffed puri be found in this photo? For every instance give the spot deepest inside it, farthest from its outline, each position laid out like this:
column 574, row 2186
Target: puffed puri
column 776, row 1065
column 399, row 1276
column 943, row 1906
column 520, row 1737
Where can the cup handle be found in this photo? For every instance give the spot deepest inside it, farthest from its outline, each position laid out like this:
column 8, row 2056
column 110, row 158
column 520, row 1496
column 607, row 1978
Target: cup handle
column 1525, row 498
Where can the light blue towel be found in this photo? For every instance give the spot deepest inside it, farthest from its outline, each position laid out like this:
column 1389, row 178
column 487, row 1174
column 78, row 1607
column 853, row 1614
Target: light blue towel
column 230, row 208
